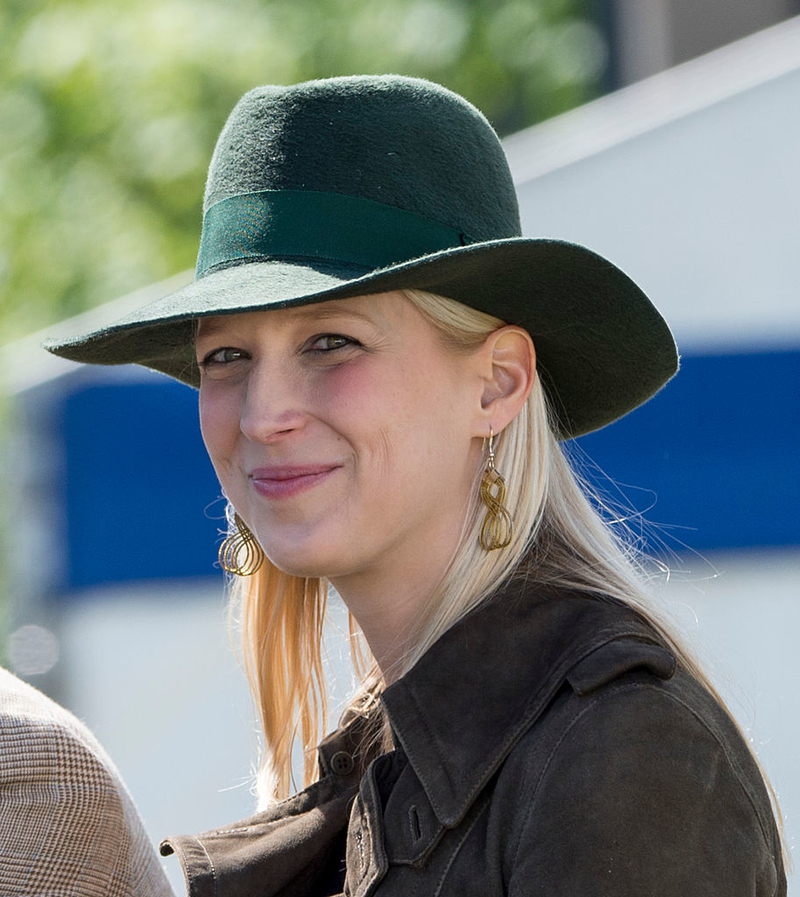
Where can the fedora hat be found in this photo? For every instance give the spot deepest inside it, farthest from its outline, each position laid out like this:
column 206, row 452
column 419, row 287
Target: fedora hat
column 369, row 184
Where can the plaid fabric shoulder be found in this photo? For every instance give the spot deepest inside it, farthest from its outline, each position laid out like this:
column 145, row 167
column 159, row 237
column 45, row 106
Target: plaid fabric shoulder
column 67, row 823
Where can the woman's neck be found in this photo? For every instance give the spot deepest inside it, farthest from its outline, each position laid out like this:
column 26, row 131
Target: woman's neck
column 389, row 604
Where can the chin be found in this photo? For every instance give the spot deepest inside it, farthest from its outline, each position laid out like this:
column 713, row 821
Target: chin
column 303, row 563
column 312, row 551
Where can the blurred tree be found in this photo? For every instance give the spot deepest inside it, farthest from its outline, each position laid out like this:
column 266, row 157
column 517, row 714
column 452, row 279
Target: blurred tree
column 109, row 112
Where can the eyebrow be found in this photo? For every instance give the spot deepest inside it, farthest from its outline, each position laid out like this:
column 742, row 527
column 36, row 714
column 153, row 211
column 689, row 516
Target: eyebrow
column 327, row 311
column 212, row 324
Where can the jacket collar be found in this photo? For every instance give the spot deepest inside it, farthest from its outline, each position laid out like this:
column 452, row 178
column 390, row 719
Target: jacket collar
column 494, row 673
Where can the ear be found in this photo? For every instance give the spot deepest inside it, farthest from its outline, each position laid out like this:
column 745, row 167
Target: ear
column 508, row 362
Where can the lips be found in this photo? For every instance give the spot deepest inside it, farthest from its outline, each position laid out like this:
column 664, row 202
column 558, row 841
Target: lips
column 285, row 481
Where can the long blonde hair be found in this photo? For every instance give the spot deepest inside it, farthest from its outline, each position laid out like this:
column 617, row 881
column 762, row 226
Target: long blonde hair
column 559, row 533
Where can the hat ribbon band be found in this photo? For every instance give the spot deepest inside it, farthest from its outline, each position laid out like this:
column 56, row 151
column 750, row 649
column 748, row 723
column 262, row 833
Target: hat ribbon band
column 310, row 224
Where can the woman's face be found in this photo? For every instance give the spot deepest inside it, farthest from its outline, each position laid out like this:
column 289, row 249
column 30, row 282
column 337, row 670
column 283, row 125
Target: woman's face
column 344, row 433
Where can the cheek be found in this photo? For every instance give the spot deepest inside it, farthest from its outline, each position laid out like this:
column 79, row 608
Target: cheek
column 219, row 424
column 344, row 388
column 353, row 401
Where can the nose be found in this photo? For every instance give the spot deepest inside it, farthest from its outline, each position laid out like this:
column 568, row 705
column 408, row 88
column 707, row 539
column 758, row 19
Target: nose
column 273, row 407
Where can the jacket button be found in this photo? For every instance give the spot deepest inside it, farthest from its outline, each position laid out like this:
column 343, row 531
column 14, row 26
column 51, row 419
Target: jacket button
column 342, row 763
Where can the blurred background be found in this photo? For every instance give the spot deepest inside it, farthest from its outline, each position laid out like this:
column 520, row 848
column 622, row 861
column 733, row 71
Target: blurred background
column 662, row 133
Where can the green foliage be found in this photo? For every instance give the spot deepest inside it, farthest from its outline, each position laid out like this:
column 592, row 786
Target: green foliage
column 109, row 112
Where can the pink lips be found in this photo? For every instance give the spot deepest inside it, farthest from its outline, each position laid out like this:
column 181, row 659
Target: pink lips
column 285, row 481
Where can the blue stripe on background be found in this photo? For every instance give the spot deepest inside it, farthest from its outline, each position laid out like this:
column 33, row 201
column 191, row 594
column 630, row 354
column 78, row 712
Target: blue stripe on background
column 716, row 453
column 714, row 459
column 142, row 499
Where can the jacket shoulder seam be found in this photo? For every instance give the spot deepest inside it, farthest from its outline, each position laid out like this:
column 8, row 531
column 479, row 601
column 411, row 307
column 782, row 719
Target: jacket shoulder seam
column 595, row 704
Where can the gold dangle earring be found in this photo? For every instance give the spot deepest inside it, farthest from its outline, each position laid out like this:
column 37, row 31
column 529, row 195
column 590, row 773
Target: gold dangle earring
column 239, row 552
column 497, row 527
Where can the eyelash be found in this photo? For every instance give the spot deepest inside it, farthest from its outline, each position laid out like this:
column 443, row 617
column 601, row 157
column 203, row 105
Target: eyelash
column 209, row 361
column 346, row 343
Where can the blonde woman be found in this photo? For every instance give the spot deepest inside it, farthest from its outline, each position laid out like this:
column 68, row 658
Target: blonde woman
column 385, row 369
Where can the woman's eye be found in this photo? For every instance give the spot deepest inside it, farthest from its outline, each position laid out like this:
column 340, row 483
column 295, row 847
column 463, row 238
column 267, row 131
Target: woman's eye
column 216, row 361
column 330, row 342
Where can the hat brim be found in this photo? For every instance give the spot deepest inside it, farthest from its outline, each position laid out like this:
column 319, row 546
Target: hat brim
column 602, row 347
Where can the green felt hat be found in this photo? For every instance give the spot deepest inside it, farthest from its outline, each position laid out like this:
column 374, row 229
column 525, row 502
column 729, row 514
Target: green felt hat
column 360, row 185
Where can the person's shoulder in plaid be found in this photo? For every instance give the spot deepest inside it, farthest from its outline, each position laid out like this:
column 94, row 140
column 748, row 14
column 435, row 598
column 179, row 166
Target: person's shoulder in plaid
column 67, row 823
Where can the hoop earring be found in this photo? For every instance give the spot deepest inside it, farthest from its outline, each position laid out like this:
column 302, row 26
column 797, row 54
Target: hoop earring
column 497, row 527
column 239, row 552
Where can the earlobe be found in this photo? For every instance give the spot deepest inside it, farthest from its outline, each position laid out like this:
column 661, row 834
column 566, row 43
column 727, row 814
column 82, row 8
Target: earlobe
column 509, row 361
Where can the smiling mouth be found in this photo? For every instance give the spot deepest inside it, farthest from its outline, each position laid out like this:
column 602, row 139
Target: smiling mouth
column 284, row 482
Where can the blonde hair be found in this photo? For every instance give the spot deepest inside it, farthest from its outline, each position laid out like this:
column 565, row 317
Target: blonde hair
column 559, row 538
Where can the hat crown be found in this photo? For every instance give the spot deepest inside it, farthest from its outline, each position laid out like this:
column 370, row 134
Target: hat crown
column 403, row 142
column 371, row 184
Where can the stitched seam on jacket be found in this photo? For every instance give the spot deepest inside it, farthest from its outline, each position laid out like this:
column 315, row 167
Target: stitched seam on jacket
column 542, row 774
column 421, row 716
column 182, row 856
column 732, row 761
column 458, row 847
column 213, row 868
column 596, row 705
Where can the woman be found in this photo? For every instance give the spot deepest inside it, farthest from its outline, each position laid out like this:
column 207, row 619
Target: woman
column 526, row 725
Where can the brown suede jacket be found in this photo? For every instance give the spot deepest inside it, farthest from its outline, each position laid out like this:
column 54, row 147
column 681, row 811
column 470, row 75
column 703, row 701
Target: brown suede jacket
column 546, row 745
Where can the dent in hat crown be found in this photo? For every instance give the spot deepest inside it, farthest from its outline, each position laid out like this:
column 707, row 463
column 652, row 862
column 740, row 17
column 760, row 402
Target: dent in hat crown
column 402, row 143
